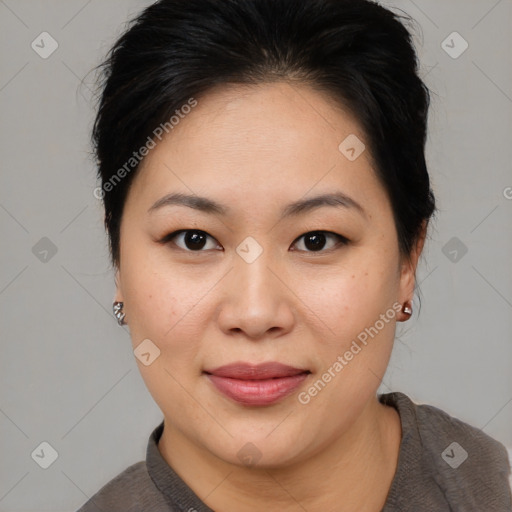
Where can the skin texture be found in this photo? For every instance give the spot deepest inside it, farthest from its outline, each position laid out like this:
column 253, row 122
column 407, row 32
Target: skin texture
column 256, row 149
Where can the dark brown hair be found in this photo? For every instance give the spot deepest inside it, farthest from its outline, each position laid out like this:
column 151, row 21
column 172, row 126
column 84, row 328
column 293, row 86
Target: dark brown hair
column 356, row 50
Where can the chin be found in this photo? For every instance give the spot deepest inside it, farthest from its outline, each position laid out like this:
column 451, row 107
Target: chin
column 259, row 453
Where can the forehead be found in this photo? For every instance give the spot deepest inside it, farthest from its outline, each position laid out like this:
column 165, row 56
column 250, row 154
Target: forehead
column 271, row 141
column 269, row 117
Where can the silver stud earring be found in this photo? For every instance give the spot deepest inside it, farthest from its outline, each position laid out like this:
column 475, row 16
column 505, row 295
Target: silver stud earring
column 407, row 308
column 117, row 308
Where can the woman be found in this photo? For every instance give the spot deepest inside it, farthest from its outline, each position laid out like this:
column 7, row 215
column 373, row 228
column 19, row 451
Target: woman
column 267, row 201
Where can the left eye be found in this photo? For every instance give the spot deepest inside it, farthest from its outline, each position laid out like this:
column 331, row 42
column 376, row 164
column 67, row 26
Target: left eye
column 315, row 241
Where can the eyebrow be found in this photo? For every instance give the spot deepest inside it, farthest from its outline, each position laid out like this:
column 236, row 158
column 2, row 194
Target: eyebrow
column 206, row 205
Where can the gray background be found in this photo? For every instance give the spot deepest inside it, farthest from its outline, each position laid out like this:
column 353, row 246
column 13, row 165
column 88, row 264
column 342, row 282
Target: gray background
column 68, row 375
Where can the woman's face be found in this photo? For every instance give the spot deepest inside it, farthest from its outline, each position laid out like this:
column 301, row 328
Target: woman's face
column 245, row 285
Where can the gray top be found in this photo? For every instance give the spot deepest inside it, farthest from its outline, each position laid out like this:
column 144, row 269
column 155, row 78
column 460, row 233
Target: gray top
column 444, row 464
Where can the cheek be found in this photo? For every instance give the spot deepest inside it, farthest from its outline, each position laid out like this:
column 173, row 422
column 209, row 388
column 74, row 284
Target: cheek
column 355, row 350
column 351, row 300
column 154, row 301
column 363, row 291
column 160, row 307
column 172, row 310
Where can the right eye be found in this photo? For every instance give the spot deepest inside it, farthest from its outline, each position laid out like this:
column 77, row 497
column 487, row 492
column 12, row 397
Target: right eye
column 191, row 240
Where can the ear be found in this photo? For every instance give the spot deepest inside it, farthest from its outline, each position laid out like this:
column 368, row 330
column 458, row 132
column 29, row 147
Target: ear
column 119, row 293
column 408, row 267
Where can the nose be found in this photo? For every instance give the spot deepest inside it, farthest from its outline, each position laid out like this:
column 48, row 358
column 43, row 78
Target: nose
column 257, row 301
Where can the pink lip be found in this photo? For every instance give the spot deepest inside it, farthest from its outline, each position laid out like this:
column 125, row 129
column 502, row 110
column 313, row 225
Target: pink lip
column 262, row 384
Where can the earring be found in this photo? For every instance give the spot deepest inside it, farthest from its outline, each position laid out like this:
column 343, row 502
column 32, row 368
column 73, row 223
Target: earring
column 117, row 308
column 407, row 308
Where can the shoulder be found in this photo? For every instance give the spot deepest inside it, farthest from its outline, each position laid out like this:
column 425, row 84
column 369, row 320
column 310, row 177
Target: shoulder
column 132, row 490
column 464, row 463
column 455, row 442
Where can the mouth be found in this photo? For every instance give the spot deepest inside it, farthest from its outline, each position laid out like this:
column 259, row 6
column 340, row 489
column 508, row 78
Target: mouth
column 256, row 385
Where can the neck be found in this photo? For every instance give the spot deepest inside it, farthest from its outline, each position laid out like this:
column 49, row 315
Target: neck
column 338, row 477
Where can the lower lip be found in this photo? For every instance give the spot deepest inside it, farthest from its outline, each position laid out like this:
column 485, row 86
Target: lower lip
column 257, row 392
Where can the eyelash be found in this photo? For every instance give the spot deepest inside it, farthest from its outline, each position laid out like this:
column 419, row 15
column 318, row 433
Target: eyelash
column 342, row 241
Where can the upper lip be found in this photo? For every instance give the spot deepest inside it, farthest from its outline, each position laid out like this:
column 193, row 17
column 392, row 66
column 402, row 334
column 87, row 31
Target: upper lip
column 248, row 371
